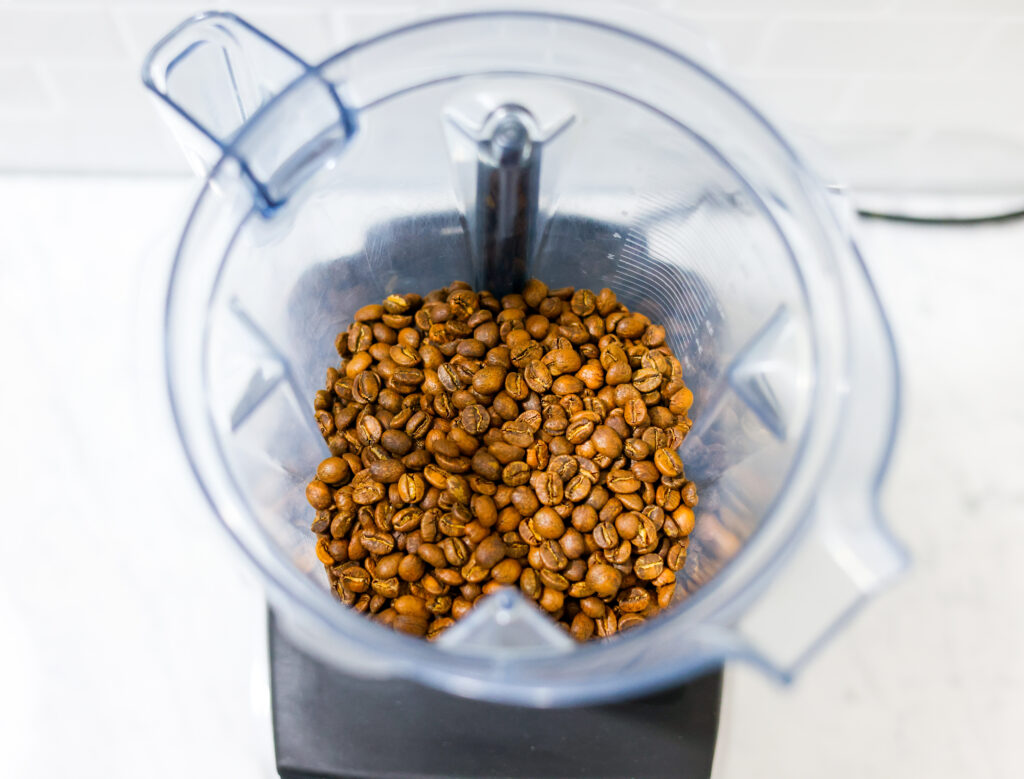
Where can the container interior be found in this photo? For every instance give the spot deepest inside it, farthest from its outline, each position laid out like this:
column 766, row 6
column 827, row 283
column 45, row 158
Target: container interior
column 629, row 199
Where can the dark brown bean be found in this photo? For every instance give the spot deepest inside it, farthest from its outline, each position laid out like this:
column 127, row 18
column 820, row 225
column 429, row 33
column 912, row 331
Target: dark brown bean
column 319, row 495
column 648, row 566
column 604, row 580
column 676, row 557
column 515, row 473
column 552, row 556
column 620, row 481
column 605, row 535
column 547, row 524
column 490, row 551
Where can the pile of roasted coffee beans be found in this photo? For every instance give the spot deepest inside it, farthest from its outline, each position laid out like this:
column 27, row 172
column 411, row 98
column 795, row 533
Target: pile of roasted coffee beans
column 528, row 441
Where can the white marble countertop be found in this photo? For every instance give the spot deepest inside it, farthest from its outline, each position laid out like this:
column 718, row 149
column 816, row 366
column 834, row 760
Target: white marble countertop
column 130, row 647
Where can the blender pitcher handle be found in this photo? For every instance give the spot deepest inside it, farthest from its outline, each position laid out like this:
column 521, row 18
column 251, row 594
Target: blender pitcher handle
column 213, row 72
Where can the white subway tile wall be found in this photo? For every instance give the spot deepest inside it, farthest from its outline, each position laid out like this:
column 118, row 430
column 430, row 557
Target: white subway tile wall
column 896, row 94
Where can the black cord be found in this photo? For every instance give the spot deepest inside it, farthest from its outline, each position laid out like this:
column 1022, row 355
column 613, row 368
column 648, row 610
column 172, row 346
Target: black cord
column 943, row 220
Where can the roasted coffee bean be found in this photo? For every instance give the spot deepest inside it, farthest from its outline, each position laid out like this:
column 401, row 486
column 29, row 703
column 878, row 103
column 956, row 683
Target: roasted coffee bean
column 627, row 525
column 515, row 473
column 578, row 488
column 367, row 492
column 648, row 566
column 676, row 557
column 547, row 524
column 506, row 571
column 565, row 466
column 538, row 377
column 683, row 518
column 689, row 494
column 668, row 462
column 455, row 550
column 490, row 551
column 506, row 453
column 579, row 430
column 573, row 543
column 607, row 441
column 406, row 520
column 554, row 580
column 319, row 495
column 634, row 599
column 333, row 470
column 525, row 501
column 645, row 471
column 548, row 487
column 606, row 536
column 551, row 600
column 562, row 361
column 584, row 518
column 411, row 568
column 355, row 578
column 387, row 471
column 451, row 525
column 622, row 481
column 604, row 580
column 552, row 556
column 516, row 433
column 377, row 542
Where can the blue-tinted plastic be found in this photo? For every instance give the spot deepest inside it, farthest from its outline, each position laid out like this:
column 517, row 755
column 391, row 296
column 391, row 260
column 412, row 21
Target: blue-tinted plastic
column 351, row 182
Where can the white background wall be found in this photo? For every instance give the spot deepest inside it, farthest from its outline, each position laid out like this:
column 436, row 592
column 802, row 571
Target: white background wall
column 922, row 94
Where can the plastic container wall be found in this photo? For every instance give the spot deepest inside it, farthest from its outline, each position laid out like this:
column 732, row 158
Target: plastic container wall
column 657, row 181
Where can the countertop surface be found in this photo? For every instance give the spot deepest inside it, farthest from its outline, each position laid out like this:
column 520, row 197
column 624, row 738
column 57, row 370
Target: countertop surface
column 133, row 644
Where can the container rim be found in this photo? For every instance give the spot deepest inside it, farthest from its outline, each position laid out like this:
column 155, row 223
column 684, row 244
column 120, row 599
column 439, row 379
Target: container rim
column 420, row 659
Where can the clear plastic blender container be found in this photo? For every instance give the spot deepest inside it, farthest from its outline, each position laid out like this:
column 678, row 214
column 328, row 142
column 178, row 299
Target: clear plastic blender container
column 487, row 148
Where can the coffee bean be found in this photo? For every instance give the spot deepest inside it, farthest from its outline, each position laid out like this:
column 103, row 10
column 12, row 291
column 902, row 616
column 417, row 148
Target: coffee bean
column 548, row 487
column 525, row 501
column 387, row 471
column 516, row 433
column 547, row 524
column 318, row 495
column 633, row 600
column 689, row 494
column 532, row 419
column 604, row 580
column 515, row 473
column 551, row 600
column 455, row 550
column 490, row 551
column 552, row 556
column 537, row 376
column 573, row 544
column 605, row 535
column 676, row 557
column 367, row 492
column 583, row 302
column 562, row 361
column 620, row 481
column 578, row 488
column 506, row 453
column 668, row 462
column 333, row 470
column 411, row 568
column 377, row 542
column 579, row 430
column 607, row 441
column 648, row 566
column 554, row 580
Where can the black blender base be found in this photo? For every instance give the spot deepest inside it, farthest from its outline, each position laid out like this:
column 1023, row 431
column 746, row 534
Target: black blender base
column 329, row 724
